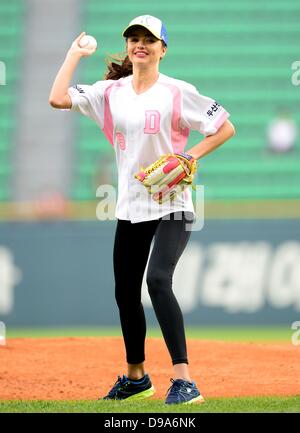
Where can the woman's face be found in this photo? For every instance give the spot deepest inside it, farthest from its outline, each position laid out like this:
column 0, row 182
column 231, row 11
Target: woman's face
column 143, row 48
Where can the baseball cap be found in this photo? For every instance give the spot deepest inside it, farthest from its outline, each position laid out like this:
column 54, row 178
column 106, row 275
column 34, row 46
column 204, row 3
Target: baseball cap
column 153, row 24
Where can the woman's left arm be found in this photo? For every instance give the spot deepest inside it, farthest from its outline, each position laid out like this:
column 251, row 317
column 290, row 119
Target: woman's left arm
column 211, row 142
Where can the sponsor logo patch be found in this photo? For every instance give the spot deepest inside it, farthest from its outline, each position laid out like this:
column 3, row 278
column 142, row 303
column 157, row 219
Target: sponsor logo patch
column 78, row 88
column 213, row 109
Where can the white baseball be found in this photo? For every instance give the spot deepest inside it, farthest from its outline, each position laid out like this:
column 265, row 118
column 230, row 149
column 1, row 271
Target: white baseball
column 88, row 41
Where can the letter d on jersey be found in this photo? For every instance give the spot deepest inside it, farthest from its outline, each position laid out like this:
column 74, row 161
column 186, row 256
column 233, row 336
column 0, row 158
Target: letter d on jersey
column 152, row 125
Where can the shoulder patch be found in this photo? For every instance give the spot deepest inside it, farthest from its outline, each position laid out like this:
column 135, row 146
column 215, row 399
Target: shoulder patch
column 213, row 109
column 78, row 88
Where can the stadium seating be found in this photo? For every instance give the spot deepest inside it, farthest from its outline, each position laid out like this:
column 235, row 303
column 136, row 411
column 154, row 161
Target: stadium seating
column 11, row 27
column 239, row 53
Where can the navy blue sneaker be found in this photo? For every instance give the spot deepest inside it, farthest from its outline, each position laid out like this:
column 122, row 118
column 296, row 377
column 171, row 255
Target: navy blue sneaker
column 126, row 389
column 183, row 392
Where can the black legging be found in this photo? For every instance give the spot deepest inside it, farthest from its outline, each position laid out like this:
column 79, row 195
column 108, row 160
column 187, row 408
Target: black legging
column 131, row 251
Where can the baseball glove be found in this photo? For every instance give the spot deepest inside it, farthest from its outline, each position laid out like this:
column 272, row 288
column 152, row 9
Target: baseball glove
column 168, row 176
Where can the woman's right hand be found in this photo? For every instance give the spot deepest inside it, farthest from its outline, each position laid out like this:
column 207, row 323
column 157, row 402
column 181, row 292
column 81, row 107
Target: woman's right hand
column 77, row 50
column 59, row 97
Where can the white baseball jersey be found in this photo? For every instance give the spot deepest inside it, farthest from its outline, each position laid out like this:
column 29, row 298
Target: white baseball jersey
column 143, row 127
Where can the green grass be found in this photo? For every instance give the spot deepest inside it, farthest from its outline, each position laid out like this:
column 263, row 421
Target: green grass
column 225, row 333
column 213, row 405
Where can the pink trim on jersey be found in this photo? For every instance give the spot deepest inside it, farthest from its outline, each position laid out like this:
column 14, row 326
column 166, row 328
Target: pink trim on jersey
column 179, row 136
column 108, row 127
column 221, row 120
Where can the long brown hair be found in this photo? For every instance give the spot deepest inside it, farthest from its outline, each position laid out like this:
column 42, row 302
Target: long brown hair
column 118, row 66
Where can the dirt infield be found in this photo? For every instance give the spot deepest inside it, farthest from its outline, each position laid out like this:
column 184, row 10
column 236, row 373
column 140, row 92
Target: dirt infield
column 85, row 368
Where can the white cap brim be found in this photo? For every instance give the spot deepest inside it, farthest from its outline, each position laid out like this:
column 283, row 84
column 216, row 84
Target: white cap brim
column 125, row 31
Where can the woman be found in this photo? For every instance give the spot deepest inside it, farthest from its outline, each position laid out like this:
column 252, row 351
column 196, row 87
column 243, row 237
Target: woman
column 145, row 114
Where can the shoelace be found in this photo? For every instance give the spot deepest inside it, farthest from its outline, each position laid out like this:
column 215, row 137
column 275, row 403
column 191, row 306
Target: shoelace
column 119, row 383
column 174, row 387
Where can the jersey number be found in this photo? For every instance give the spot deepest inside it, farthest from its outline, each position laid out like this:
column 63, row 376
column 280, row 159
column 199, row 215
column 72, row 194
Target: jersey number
column 152, row 122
